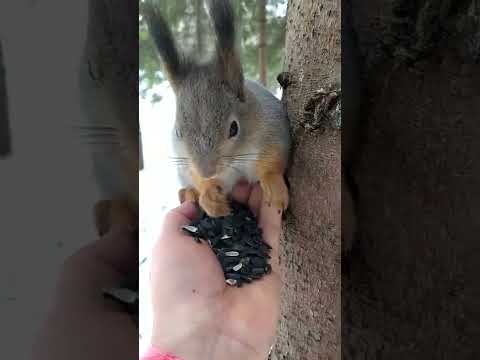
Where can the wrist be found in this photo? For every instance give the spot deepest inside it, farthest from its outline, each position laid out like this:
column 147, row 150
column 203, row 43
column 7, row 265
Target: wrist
column 184, row 347
column 196, row 349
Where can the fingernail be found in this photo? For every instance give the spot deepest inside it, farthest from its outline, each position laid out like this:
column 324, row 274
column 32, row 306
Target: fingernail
column 188, row 204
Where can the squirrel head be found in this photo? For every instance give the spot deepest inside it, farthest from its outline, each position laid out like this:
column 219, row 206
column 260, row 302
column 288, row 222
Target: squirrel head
column 210, row 121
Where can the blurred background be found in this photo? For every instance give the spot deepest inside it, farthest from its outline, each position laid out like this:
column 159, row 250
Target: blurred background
column 261, row 36
column 44, row 156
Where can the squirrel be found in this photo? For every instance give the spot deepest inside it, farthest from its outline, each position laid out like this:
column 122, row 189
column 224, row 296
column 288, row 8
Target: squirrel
column 227, row 128
column 107, row 79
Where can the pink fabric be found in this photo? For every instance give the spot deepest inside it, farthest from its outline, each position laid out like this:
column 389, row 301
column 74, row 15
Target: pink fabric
column 154, row 354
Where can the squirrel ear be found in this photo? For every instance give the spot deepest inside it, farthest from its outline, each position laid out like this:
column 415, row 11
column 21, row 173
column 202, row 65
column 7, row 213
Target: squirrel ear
column 230, row 70
column 174, row 66
column 228, row 59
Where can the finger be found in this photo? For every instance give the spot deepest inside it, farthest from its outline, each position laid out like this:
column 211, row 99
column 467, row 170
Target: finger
column 114, row 253
column 255, row 200
column 181, row 215
column 270, row 220
column 241, row 192
column 118, row 248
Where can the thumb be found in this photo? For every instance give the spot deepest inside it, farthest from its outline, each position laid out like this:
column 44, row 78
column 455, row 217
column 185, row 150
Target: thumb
column 181, row 215
column 118, row 248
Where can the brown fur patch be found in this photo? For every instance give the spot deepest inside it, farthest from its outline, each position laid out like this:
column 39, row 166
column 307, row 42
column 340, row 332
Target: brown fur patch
column 270, row 168
column 188, row 194
column 109, row 212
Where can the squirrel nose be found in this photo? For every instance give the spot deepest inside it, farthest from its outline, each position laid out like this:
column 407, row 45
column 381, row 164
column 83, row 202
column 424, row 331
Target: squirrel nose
column 206, row 168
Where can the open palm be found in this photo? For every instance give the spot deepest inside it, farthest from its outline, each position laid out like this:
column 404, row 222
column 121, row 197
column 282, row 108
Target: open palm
column 196, row 314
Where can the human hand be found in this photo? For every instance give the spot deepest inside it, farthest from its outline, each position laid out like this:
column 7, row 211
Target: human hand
column 196, row 314
column 83, row 324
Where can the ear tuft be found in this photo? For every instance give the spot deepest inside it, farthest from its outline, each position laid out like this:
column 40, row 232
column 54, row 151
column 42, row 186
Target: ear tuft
column 227, row 58
column 174, row 66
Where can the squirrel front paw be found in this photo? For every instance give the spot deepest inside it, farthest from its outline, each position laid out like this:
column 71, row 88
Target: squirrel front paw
column 113, row 212
column 213, row 199
column 275, row 191
column 188, row 194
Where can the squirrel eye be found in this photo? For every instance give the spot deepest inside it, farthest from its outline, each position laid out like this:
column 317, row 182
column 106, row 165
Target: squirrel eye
column 233, row 129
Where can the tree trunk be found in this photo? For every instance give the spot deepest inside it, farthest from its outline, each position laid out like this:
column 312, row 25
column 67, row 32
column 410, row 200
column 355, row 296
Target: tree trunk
column 411, row 281
column 5, row 141
column 310, row 256
column 109, row 87
column 262, row 42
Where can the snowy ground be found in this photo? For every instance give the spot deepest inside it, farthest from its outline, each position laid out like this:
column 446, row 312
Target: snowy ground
column 158, row 188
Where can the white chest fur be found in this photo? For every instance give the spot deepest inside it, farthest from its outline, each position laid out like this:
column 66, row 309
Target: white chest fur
column 230, row 176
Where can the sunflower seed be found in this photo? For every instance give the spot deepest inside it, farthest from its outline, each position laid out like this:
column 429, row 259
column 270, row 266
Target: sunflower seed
column 190, row 228
column 258, row 271
column 234, row 276
column 257, row 262
column 231, row 282
column 232, row 253
column 237, row 267
column 228, row 261
column 268, row 269
column 124, row 295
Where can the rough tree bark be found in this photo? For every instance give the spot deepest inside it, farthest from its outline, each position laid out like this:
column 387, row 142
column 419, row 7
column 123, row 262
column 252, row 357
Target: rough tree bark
column 262, row 41
column 410, row 287
column 310, row 258
column 5, row 141
column 108, row 80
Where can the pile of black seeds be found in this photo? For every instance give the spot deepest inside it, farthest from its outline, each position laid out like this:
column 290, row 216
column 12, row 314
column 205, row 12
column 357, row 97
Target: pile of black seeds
column 237, row 242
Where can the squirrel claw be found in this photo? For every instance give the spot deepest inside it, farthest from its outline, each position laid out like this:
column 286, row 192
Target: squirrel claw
column 214, row 201
column 275, row 191
column 187, row 194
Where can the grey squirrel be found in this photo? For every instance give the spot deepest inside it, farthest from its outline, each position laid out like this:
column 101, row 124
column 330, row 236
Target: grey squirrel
column 226, row 127
column 108, row 93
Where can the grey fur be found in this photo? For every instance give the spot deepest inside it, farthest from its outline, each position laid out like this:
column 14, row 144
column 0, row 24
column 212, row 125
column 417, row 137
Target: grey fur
column 209, row 97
